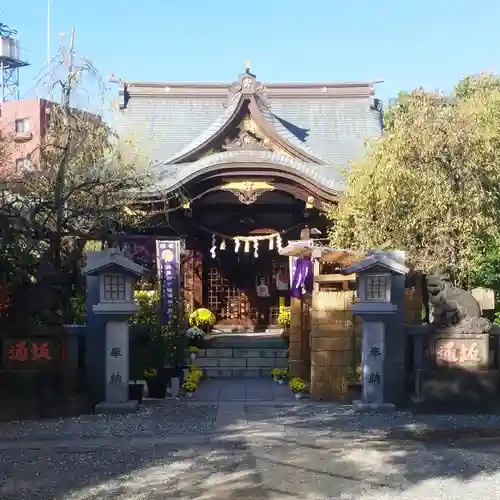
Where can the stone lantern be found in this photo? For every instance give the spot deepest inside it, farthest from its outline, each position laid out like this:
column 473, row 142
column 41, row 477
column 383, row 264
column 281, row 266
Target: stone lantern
column 117, row 275
column 380, row 281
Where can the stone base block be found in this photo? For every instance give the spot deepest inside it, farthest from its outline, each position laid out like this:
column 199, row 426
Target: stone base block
column 119, row 408
column 458, row 390
column 175, row 386
column 359, row 406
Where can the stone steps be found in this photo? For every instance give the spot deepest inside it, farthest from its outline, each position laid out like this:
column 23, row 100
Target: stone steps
column 241, row 362
column 245, row 341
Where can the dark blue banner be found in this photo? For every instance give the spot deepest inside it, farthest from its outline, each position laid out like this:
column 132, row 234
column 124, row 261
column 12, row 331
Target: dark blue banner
column 168, row 264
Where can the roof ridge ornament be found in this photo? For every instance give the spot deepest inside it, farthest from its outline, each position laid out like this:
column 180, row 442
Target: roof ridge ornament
column 245, row 87
column 248, row 67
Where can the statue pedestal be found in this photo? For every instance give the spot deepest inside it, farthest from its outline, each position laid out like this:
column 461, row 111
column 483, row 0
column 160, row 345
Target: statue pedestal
column 457, row 377
column 460, row 351
column 457, row 391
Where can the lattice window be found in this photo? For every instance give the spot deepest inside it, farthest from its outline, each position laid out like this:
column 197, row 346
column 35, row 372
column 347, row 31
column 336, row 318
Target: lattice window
column 214, row 288
column 253, row 314
column 376, row 287
column 274, row 312
column 236, row 303
column 114, row 287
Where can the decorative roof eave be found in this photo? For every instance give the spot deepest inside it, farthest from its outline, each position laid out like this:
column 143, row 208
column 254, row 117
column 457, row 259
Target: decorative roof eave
column 378, row 259
column 247, row 88
column 113, row 258
column 172, row 178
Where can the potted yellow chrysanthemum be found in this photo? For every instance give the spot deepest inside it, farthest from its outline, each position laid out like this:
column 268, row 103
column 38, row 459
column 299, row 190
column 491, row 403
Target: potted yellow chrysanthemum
column 298, row 387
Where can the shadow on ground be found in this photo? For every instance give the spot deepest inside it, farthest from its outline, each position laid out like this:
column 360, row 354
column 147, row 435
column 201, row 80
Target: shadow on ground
column 285, row 452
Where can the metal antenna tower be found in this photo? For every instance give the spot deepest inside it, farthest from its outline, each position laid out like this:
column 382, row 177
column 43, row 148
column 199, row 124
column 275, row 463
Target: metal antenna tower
column 10, row 62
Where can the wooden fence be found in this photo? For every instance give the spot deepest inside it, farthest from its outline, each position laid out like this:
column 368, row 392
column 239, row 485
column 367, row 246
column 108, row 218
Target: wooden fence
column 335, row 341
column 335, row 344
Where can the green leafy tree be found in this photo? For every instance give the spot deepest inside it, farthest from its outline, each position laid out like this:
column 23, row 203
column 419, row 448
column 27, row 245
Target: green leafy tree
column 431, row 184
column 486, row 270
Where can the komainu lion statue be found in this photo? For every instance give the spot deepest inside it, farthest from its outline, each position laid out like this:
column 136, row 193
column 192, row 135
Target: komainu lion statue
column 454, row 309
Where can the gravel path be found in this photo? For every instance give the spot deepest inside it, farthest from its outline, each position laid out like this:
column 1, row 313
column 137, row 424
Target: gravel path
column 258, row 452
column 160, row 419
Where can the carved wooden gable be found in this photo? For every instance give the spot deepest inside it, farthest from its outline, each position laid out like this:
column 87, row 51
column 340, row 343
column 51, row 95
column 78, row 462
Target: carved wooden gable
column 244, row 136
column 247, row 123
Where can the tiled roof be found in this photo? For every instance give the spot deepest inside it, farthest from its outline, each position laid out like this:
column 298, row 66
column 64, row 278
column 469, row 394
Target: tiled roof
column 286, row 133
column 336, row 129
column 164, row 126
column 215, row 127
column 330, row 124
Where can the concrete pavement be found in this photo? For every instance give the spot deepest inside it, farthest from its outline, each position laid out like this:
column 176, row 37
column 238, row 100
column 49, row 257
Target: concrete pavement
column 242, row 450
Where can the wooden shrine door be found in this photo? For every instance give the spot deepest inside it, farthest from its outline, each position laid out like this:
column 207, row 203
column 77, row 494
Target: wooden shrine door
column 232, row 282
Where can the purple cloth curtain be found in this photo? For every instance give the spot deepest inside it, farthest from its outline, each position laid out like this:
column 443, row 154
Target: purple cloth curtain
column 303, row 278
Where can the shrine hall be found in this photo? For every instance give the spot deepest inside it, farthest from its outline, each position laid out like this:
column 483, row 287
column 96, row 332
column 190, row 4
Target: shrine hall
column 240, row 170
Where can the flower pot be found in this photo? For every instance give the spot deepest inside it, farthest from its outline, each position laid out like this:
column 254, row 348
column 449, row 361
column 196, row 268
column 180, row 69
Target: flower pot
column 157, row 388
column 298, row 395
column 275, row 379
column 192, row 356
column 136, row 392
column 281, row 381
column 171, row 372
column 189, row 394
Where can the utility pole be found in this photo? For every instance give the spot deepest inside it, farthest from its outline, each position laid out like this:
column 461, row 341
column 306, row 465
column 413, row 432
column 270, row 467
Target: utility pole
column 48, row 33
column 69, row 79
column 60, row 185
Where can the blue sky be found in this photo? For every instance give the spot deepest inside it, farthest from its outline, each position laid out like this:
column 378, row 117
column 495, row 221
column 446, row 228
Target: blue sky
column 406, row 44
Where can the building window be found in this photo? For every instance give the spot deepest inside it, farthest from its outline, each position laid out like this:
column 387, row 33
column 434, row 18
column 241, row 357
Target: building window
column 23, row 165
column 114, row 287
column 377, row 287
column 22, row 126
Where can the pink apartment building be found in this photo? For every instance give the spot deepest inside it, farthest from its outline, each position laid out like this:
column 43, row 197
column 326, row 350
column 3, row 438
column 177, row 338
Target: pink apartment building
column 23, row 124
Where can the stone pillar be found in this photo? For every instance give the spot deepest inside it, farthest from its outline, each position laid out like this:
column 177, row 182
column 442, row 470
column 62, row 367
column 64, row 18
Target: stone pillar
column 380, row 304
column 373, row 355
column 107, row 329
column 116, row 369
column 378, row 391
column 395, row 345
column 117, row 361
